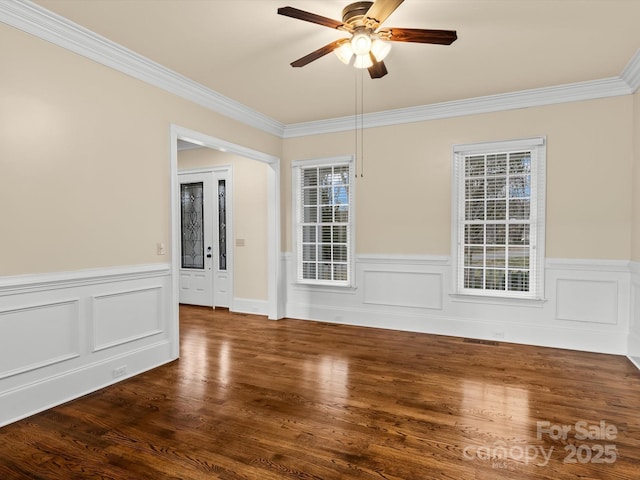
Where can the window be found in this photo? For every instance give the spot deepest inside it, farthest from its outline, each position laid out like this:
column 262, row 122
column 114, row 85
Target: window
column 499, row 218
column 324, row 221
column 191, row 214
column 222, row 225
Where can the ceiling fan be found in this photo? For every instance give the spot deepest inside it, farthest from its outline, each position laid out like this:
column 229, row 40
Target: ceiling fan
column 368, row 44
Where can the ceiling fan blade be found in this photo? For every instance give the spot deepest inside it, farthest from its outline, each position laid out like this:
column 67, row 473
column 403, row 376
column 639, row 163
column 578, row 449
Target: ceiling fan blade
column 418, row 35
column 378, row 69
column 316, row 54
column 381, row 9
column 309, row 17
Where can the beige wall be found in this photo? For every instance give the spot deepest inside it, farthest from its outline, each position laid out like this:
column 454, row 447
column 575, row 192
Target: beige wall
column 249, row 217
column 403, row 200
column 84, row 159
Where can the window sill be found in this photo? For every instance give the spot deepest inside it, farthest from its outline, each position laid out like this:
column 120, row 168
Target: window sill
column 491, row 300
column 344, row 289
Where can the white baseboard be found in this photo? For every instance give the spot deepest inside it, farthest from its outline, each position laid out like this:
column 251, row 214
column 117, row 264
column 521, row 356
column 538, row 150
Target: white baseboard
column 635, row 361
column 478, row 328
column 633, row 348
column 248, row 305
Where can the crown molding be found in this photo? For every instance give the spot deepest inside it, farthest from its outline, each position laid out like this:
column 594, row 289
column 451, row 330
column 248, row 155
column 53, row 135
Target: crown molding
column 608, row 87
column 631, row 73
column 42, row 23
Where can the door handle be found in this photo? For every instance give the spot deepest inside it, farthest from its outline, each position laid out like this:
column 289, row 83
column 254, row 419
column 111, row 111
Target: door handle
column 208, row 252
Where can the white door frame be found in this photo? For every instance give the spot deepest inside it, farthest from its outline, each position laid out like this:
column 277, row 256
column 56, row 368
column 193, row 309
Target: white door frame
column 274, row 294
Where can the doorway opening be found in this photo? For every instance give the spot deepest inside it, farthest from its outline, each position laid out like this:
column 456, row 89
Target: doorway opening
column 274, row 288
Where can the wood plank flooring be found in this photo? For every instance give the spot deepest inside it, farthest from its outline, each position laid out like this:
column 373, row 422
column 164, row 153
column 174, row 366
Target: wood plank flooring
column 255, row 399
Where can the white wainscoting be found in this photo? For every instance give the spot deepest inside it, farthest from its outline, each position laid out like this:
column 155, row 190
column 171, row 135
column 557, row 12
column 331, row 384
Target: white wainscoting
column 586, row 305
column 633, row 346
column 63, row 335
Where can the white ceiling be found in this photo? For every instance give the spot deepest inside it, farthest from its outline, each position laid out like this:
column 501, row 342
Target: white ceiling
column 242, row 48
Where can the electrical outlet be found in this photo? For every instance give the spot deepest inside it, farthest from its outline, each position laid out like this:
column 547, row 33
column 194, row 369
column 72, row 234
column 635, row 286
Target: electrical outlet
column 120, row 371
column 160, row 249
column 498, row 334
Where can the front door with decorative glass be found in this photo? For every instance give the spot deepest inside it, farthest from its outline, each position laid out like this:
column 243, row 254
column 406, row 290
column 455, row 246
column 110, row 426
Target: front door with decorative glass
column 196, row 238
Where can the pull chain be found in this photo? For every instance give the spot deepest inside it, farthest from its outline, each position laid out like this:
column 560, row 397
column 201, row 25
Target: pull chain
column 355, row 119
column 359, row 122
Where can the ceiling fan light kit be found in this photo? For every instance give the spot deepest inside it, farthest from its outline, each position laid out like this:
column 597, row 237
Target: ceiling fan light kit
column 361, row 41
column 380, row 49
column 363, row 61
column 344, row 52
column 368, row 43
column 362, row 51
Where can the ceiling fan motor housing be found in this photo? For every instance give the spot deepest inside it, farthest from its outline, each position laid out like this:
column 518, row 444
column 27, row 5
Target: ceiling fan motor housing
column 354, row 14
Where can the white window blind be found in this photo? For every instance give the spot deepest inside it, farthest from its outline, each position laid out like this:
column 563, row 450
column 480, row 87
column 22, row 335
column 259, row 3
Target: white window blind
column 500, row 218
column 324, row 220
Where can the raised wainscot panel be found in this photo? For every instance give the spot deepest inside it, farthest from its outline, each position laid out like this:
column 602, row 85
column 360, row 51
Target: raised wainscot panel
column 587, row 301
column 126, row 316
column 403, row 289
column 35, row 336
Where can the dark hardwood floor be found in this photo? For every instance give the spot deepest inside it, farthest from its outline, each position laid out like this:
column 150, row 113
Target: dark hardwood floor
column 256, row 399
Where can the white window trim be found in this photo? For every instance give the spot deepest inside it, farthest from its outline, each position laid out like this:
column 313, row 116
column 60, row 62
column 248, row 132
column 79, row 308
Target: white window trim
column 296, row 165
column 538, row 185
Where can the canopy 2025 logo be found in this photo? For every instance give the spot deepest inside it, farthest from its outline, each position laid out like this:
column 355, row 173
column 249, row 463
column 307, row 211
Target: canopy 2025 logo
column 584, row 442
column 583, row 431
